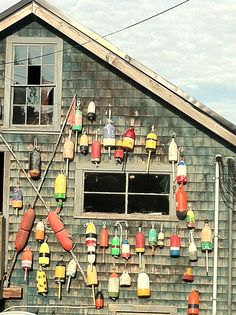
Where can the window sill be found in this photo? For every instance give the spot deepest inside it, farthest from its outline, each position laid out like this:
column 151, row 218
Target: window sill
column 127, row 217
column 26, row 130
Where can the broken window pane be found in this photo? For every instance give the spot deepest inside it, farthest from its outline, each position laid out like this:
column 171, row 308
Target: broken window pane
column 18, row 115
column 33, row 95
column 19, row 95
column 20, row 57
column 34, row 73
column 47, row 96
column 32, row 115
column 46, row 115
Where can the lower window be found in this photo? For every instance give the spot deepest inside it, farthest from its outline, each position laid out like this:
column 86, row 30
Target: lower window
column 127, row 193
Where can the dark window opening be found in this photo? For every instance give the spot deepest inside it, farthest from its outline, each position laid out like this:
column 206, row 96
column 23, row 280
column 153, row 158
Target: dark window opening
column 34, row 73
column 126, row 193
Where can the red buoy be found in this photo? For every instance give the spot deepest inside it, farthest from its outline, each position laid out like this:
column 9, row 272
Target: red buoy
column 174, row 245
column 140, row 245
column 103, row 240
column 193, row 303
column 181, row 203
column 96, row 150
column 24, row 229
column 99, row 299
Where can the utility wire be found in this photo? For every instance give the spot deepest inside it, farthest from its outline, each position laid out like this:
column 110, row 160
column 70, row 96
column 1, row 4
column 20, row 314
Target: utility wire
column 104, row 36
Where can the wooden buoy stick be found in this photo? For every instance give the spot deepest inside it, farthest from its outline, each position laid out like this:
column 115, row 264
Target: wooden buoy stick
column 148, row 161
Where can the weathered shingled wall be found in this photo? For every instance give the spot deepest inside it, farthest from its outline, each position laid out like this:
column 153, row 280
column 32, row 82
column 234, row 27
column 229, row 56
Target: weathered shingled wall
column 91, row 79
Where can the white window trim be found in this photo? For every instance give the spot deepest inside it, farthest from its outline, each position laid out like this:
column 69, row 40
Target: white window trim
column 155, row 309
column 81, row 168
column 11, row 40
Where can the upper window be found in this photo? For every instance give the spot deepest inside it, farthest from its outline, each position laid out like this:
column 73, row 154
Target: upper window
column 126, row 193
column 35, row 82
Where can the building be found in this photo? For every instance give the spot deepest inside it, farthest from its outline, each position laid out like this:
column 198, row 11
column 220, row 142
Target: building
column 46, row 59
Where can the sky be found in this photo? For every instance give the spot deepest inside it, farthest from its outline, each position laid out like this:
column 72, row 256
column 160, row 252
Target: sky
column 193, row 46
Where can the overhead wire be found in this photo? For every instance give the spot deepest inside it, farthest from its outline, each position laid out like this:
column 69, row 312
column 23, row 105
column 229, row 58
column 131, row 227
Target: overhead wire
column 104, row 36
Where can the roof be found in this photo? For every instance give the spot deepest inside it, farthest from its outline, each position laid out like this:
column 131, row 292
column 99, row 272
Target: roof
column 102, row 48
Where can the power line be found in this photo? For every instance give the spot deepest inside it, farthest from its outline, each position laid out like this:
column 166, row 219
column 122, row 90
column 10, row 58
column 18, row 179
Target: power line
column 104, row 36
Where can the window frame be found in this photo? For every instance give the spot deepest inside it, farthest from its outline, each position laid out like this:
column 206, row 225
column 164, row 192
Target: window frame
column 8, row 97
column 82, row 168
column 155, row 309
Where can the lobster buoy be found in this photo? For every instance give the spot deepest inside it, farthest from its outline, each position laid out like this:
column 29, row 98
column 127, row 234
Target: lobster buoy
column 103, row 240
column 152, row 239
column 192, row 249
column 161, row 237
column 114, row 286
column 24, row 229
column 60, row 275
column 193, row 303
column 70, row 272
column 206, row 241
column 173, row 151
column 91, row 113
column 77, row 125
column 99, row 299
column 128, row 139
column 91, row 234
column 17, row 199
column 181, row 203
column 151, row 145
column 188, row 275
column 143, row 289
column 39, row 231
column 175, row 245
column 125, row 280
column 92, row 275
column 119, row 152
column 60, row 187
column 44, row 254
column 140, row 245
column 41, row 282
column 125, row 249
column 96, row 150
column 35, row 162
column 83, row 143
column 27, row 261
column 68, row 151
column 91, row 254
column 190, row 219
column 115, row 246
column 181, row 176
column 109, row 134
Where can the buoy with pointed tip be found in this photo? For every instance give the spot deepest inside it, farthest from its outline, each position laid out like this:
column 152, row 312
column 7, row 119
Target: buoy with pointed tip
column 40, row 231
column 103, row 240
column 44, row 254
column 91, row 113
column 41, row 281
column 35, row 162
column 60, row 275
column 192, row 249
column 27, row 261
column 193, row 303
column 161, row 237
column 91, row 234
column 206, row 241
column 99, row 299
column 70, row 272
column 60, row 186
column 17, row 199
column 173, row 154
column 114, row 286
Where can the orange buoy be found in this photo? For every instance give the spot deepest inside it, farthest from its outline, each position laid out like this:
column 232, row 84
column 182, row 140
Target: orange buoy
column 96, row 150
column 140, row 244
column 193, row 303
column 99, row 299
column 40, row 232
column 181, row 203
column 24, row 229
column 188, row 275
column 103, row 240
column 35, row 162
column 27, row 261
column 175, row 245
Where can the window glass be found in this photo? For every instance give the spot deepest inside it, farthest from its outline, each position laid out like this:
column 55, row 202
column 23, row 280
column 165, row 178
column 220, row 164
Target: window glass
column 19, row 95
column 19, row 115
column 33, row 95
column 34, row 55
column 47, row 96
column 48, row 54
column 34, row 73
column 126, row 193
column 46, row 115
column 48, row 74
column 20, row 57
column 32, row 115
column 20, row 75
